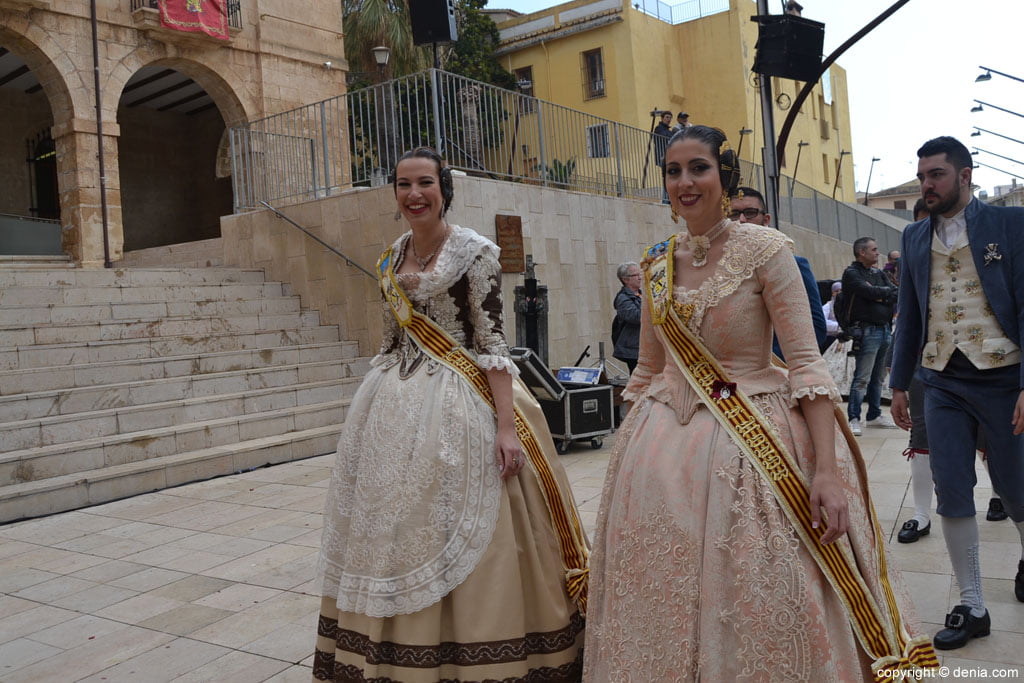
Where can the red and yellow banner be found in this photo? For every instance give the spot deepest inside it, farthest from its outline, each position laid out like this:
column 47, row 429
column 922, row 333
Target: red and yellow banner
column 196, row 16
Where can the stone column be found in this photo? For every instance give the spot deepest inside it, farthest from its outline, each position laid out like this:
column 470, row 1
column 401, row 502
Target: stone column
column 78, row 178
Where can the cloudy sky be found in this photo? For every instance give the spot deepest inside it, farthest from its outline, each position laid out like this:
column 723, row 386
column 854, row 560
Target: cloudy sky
column 912, row 79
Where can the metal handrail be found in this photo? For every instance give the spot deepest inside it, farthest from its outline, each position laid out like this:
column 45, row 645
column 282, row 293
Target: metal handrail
column 348, row 261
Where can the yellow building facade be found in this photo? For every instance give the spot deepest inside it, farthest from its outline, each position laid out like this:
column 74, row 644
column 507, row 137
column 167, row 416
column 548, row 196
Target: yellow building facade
column 609, row 59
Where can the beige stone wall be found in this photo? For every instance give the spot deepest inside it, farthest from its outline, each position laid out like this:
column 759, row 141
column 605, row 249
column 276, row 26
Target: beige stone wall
column 577, row 240
column 274, row 63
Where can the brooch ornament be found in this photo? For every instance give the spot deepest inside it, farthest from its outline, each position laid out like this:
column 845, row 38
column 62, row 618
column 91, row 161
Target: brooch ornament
column 992, row 253
column 722, row 390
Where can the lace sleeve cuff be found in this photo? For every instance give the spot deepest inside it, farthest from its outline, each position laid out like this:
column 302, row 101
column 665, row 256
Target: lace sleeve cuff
column 813, row 392
column 491, row 362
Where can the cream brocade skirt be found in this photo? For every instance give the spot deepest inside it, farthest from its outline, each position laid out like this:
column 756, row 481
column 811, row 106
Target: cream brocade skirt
column 697, row 573
column 497, row 611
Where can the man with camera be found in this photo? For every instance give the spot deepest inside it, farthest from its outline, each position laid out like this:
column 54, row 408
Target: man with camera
column 872, row 297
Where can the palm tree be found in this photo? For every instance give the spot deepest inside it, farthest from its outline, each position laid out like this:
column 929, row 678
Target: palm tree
column 369, row 23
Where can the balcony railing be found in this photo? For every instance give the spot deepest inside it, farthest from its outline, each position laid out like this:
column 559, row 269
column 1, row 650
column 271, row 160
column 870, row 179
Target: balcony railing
column 234, row 9
column 355, row 140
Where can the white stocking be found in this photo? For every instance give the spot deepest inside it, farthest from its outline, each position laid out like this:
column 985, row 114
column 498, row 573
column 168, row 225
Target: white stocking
column 962, row 544
column 922, row 486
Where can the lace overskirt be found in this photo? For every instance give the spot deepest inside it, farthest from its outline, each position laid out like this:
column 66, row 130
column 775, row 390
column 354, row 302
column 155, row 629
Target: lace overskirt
column 415, row 493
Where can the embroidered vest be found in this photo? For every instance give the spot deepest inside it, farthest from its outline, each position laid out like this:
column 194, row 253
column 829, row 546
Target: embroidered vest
column 959, row 316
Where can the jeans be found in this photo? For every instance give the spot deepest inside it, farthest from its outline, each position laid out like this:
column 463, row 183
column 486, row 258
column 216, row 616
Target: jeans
column 869, row 371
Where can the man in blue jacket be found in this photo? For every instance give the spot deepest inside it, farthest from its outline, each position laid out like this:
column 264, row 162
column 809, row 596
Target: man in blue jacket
column 961, row 304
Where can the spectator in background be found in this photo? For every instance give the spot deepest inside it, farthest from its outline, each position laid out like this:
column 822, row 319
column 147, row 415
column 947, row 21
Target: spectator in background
column 626, row 329
column 662, row 133
column 892, row 267
column 682, row 121
column 871, row 310
column 832, row 329
column 746, row 205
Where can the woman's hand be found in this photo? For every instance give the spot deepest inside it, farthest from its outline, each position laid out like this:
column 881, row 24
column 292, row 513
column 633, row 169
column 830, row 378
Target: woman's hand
column 827, row 494
column 509, row 452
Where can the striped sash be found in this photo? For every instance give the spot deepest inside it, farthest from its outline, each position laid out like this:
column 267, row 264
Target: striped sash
column 440, row 346
column 878, row 627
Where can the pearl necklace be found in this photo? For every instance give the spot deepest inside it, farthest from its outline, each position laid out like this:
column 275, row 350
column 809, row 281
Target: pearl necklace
column 701, row 244
column 424, row 262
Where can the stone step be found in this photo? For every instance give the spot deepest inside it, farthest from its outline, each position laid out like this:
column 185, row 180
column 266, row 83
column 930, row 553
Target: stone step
column 92, row 487
column 10, row 262
column 107, row 396
column 52, row 378
column 123, row 277
column 76, row 314
column 75, row 353
column 33, row 464
column 145, row 328
column 141, row 416
column 137, row 294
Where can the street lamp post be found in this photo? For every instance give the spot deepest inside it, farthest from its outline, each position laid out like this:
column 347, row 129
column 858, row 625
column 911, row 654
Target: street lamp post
column 987, row 76
column 978, row 108
column 839, row 170
column 796, row 166
column 868, row 186
column 978, row 131
column 739, row 147
column 382, row 55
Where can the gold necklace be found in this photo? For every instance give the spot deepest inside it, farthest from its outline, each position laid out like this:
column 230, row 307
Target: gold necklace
column 424, row 262
column 701, row 244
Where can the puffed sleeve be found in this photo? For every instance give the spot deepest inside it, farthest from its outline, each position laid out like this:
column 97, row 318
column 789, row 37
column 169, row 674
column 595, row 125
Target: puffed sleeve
column 790, row 313
column 389, row 334
column 651, row 360
column 486, row 315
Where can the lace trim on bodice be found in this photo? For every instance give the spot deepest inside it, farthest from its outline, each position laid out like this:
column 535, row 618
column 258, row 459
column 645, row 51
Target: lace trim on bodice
column 747, row 248
column 457, row 254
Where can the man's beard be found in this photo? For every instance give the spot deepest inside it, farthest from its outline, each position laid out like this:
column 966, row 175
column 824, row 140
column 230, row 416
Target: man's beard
column 946, row 202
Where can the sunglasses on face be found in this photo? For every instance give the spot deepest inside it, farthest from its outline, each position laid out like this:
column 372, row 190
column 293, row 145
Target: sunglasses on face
column 749, row 213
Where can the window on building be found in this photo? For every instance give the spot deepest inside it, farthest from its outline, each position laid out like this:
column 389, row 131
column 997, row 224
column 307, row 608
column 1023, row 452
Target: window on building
column 598, row 143
column 824, row 168
column 899, row 204
column 524, row 79
column 593, row 74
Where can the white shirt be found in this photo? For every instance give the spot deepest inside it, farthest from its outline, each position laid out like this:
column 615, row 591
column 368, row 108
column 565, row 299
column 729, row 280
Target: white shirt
column 949, row 230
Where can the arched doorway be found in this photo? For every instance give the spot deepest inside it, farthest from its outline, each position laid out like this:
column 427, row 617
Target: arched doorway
column 30, row 200
column 172, row 188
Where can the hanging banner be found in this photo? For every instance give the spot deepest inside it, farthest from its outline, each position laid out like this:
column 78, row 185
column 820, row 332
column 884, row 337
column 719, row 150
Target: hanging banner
column 196, row 16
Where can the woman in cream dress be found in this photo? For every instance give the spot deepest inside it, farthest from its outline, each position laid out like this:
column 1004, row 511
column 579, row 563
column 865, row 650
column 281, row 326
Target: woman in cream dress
column 440, row 558
column 698, row 574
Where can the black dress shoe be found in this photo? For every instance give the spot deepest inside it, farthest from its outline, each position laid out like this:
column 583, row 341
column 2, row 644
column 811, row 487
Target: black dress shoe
column 961, row 626
column 909, row 532
column 1018, row 582
column 996, row 513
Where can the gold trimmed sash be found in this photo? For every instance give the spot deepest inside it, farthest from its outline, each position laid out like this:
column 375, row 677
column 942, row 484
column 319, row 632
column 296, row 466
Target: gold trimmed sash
column 439, row 345
column 878, row 628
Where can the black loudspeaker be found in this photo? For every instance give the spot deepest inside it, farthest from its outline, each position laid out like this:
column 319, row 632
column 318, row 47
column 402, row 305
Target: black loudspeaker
column 789, row 46
column 433, row 21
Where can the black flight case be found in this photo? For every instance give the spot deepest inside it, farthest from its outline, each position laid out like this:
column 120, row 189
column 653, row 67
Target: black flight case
column 574, row 410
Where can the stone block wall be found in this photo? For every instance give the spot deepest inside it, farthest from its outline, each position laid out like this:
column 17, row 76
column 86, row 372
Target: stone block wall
column 577, row 241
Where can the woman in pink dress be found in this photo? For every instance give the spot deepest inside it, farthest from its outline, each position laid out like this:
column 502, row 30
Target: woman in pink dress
column 700, row 571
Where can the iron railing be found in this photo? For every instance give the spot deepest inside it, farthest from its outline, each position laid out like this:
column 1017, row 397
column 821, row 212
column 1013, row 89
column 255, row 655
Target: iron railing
column 679, row 11
column 355, row 140
column 233, row 7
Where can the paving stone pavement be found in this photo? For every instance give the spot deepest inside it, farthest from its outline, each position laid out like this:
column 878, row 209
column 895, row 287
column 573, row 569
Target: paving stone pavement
column 214, row 581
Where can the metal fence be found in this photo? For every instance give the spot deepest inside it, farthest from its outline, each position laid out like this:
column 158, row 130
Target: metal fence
column 233, row 8
column 355, row 140
column 681, row 10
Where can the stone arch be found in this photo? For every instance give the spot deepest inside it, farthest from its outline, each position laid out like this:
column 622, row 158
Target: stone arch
column 35, row 155
column 170, row 188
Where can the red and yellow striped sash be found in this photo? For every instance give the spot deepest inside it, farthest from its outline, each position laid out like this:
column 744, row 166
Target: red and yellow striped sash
column 440, row 346
column 879, row 629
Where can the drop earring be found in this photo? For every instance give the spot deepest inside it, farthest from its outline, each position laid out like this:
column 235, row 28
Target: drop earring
column 726, row 204
column 398, row 214
column 675, row 216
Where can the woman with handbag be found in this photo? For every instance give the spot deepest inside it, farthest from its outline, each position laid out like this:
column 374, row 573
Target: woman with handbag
column 736, row 540
column 451, row 548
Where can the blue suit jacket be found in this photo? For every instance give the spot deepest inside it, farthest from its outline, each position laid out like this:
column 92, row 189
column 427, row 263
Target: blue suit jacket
column 814, row 299
column 1002, row 280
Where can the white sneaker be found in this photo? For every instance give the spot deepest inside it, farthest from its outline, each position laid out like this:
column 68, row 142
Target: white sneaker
column 855, row 427
column 882, row 420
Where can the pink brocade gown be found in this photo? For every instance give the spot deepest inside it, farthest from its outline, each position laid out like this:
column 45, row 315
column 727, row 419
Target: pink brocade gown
column 697, row 574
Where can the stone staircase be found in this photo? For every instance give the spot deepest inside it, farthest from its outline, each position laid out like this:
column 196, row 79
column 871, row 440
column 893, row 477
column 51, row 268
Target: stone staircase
column 118, row 382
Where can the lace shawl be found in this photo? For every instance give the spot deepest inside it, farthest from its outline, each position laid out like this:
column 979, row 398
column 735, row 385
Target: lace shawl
column 754, row 286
